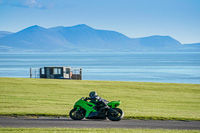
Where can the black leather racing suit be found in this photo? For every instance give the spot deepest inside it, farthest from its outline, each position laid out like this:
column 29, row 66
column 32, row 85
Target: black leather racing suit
column 99, row 102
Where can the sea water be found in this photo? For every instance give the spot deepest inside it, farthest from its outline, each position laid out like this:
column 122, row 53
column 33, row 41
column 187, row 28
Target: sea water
column 110, row 66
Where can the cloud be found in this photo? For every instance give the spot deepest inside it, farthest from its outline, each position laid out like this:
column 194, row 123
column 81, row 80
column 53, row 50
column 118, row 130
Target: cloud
column 25, row 4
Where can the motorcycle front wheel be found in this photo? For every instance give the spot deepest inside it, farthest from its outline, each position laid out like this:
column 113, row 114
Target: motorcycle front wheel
column 115, row 114
column 77, row 114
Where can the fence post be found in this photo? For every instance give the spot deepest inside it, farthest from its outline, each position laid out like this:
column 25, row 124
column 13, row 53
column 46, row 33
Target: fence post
column 30, row 72
column 81, row 74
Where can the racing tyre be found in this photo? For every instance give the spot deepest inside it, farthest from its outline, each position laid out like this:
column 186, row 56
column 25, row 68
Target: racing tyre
column 77, row 114
column 115, row 114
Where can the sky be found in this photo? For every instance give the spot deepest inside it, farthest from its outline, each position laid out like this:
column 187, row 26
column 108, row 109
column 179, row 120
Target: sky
column 179, row 19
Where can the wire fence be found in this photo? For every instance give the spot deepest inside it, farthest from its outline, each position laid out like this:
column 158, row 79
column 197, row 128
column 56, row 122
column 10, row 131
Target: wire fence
column 34, row 72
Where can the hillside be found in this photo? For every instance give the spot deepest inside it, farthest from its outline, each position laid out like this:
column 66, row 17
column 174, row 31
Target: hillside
column 192, row 47
column 85, row 38
column 34, row 38
column 4, row 33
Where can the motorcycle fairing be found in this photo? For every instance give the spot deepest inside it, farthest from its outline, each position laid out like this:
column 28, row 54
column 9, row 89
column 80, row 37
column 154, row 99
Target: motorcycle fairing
column 88, row 106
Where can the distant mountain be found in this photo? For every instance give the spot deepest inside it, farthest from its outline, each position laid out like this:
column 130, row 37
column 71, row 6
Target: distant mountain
column 197, row 45
column 192, row 47
column 4, row 33
column 83, row 38
column 35, row 38
column 159, row 41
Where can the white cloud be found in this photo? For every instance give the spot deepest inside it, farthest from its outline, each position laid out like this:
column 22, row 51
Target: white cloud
column 24, row 3
column 32, row 3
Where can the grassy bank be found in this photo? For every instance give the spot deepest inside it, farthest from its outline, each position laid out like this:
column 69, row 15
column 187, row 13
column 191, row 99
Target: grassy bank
column 48, row 97
column 91, row 130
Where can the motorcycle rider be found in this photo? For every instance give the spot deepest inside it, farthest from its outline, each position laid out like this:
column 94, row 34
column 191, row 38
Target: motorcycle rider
column 98, row 101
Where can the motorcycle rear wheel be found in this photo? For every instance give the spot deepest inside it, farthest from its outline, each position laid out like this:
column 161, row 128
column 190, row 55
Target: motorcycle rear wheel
column 115, row 114
column 77, row 114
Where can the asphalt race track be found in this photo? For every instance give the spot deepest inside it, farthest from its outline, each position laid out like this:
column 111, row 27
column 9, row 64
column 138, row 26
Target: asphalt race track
column 45, row 122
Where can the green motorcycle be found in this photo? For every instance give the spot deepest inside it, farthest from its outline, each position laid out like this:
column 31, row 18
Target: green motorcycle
column 84, row 109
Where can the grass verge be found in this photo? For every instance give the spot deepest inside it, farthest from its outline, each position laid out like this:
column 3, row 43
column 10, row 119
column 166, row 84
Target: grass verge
column 49, row 97
column 91, row 130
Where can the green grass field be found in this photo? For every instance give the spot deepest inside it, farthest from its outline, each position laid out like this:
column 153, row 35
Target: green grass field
column 49, row 97
column 91, row 130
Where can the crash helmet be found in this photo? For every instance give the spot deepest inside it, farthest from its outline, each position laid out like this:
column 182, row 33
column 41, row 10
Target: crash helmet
column 92, row 94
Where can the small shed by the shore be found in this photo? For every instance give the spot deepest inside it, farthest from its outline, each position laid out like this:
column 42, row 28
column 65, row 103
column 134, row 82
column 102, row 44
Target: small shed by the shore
column 58, row 73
